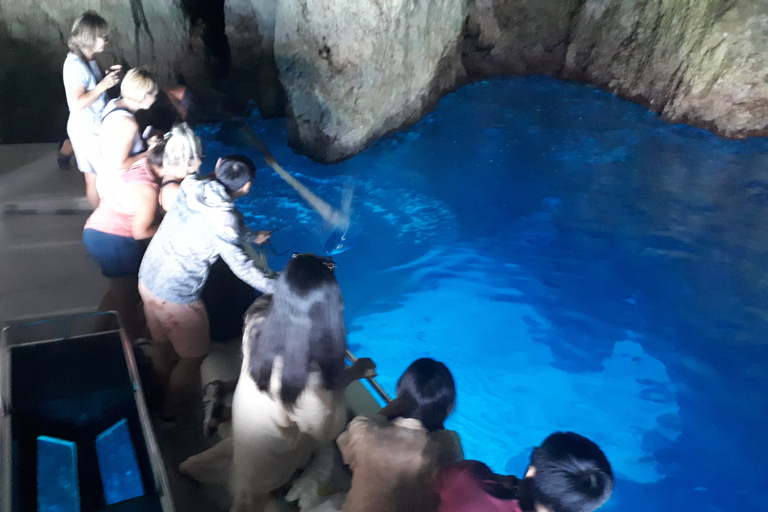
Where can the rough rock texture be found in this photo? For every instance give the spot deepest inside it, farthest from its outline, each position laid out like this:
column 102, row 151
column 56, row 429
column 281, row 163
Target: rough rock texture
column 354, row 71
column 516, row 37
column 251, row 33
column 695, row 61
column 33, row 45
column 350, row 72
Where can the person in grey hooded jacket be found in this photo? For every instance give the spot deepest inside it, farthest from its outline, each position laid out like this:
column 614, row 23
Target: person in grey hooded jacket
column 202, row 225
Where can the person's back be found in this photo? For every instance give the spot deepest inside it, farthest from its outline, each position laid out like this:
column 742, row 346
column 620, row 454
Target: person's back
column 567, row 473
column 200, row 226
column 115, row 211
column 393, row 463
column 470, row 486
column 394, row 457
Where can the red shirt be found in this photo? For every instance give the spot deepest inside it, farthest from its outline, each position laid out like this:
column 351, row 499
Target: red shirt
column 469, row 486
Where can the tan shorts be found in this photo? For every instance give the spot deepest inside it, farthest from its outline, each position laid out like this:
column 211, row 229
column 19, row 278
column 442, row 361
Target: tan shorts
column 184, row 325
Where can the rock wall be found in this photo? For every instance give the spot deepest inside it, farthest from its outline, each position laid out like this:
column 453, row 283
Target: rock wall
column 346, row 73
column 33, row 45
column 695, row 61
column 354, row 71
column 516, row 37
column 251, row 32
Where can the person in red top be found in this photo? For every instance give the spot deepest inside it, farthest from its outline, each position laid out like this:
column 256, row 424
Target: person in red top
column 567, row 473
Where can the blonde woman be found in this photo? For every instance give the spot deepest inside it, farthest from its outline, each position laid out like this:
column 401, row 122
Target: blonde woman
column 85, row 88
column 121, row 143
column 183, row 156
column 118, row 231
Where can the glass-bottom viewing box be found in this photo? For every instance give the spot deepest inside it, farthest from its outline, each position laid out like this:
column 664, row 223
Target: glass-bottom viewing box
column 75, row 433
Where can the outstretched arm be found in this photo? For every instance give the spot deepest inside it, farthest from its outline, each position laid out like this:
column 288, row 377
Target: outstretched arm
column 242, row 266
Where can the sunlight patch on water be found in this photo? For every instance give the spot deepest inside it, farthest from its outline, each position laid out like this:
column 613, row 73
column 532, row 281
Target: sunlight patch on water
column 509, row 394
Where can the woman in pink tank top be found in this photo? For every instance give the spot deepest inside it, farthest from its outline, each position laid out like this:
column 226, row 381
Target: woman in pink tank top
column 118, row 231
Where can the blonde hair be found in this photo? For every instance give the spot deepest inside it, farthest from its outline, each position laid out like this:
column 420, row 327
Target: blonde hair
column 138, row 82
column 182, row 146
column 85, row 30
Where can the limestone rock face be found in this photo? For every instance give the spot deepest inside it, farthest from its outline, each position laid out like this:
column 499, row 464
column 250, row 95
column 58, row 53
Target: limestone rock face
column 143, row 33
column 33, row 42
column 251, row 33
column 516, row 36
column 354, row 71
column 696, row 61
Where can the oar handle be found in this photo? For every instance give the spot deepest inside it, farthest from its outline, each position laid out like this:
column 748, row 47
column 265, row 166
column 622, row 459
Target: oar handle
column 326, row 211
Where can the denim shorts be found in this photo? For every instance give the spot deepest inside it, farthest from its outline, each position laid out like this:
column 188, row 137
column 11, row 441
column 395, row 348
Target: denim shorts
column 118, row 256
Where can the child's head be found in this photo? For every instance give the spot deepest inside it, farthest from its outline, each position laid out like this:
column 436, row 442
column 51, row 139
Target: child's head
column 425, row 392
column 88, row 27
column 235, row 172
column 570, row 474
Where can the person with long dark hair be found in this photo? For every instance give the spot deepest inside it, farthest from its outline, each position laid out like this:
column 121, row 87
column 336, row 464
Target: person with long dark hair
column 394, row 457
column 567, row 473
column 289, row 400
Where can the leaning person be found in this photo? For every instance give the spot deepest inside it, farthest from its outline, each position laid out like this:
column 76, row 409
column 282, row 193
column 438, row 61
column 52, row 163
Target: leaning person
column 289, row 401
column 201, row 226
column 567, row 473
column 118, row 231
column 394, row 456
column 85, row 88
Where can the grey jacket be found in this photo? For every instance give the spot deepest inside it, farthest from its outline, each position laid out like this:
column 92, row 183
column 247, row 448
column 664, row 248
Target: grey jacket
column 201, row 225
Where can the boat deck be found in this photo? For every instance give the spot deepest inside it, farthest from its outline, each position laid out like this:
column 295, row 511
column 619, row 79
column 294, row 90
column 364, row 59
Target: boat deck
column 46, row 271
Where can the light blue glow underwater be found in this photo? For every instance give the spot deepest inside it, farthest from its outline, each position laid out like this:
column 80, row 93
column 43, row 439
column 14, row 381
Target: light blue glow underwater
column 578, row 263
column 119, row 468
column 58, row 489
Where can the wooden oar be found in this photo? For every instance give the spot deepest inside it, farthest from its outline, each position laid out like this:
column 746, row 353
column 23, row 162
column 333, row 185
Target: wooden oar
column 332, row 216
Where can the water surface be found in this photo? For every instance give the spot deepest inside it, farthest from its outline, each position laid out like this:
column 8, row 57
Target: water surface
column 578, row 263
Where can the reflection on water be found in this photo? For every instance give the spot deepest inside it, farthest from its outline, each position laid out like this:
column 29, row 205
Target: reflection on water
column 578, row 264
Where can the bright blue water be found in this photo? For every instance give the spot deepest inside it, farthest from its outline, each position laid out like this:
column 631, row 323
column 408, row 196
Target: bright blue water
column 57, row 484
column 120, row 474
column 578, row 263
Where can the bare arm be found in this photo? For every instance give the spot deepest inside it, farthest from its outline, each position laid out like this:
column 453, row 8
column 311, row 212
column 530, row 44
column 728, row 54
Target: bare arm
column 116, row 142
column 145, row 201
column 168, row 195
column 78, row 98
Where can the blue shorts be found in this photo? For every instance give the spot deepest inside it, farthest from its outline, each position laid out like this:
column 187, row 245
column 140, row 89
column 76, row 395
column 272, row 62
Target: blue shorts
column 118, row 256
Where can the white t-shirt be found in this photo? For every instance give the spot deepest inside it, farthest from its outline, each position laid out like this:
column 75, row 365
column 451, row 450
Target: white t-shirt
column 77, row 73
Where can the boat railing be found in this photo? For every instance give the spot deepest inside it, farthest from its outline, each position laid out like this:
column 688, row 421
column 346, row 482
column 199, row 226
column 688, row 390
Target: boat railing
column 372, row 381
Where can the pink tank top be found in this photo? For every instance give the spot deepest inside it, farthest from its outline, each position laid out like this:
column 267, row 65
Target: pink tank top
column 112, row 215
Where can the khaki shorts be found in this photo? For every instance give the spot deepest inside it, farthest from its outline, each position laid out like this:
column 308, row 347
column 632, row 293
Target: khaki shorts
column 184, row 325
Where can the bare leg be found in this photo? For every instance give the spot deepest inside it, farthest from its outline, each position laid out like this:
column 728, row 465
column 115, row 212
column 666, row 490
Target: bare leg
column 90, row 189
column 123, row 297
column 183, row 387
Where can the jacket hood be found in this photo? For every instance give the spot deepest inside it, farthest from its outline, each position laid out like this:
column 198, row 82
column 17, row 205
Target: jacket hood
column 206, row 195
